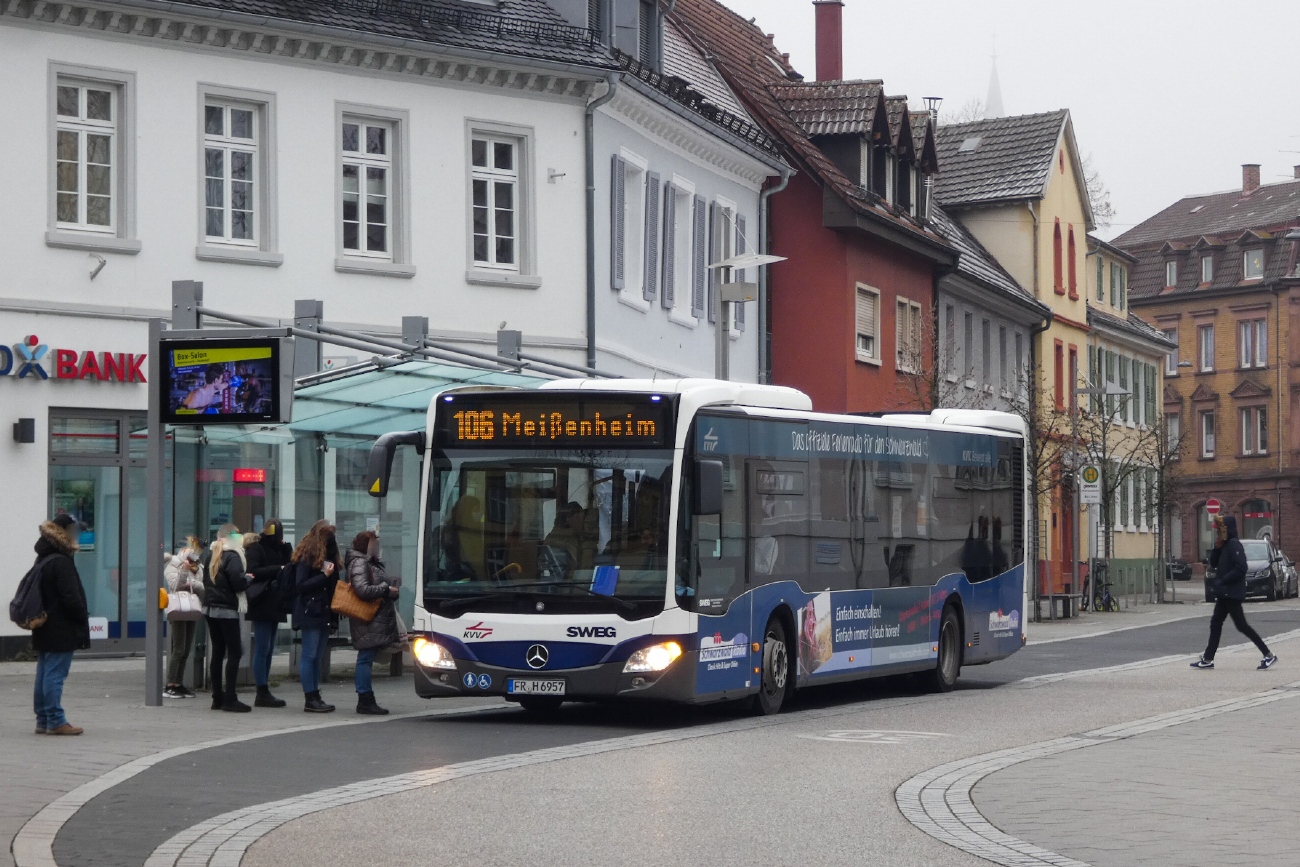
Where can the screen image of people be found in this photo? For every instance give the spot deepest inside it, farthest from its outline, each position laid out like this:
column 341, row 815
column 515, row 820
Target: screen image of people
column 221, row 381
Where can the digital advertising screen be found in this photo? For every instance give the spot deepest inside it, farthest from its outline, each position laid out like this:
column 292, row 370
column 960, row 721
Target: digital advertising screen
column 224, row 381
column 559, row 420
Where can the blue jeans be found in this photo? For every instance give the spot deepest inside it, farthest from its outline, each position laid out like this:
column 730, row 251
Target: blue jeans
column 365, row 659
column 263, row 647
column 313, row 642
column 51, row 671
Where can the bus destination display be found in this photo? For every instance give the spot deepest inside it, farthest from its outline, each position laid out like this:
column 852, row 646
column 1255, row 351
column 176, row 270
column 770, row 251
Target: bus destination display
column 221, row 382
column 562, row 421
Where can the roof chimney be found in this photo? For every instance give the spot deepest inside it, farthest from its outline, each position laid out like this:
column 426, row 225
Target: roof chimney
column 830, row 39
column 1296, row 169
column 1249, row 178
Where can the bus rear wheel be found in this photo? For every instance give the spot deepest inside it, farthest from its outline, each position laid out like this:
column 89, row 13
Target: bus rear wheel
column 946, row 668
column 776, row 682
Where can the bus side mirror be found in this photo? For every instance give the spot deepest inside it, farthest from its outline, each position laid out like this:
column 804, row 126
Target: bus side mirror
column 380, row 465
column 707, row 488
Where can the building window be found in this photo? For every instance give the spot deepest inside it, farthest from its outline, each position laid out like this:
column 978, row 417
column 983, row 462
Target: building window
column 1207, row 269
column 968, row 350
column 1058, row 279
column 1109, row 364
column 1074, row 378
column 1173, row 433
column 1101, row 278
column 1254, row 431
column 372, row 212
column 1125, row 400
column 1126, row 502
column 1059, row 374
column 986, row 352
column 494, row 182
column 86, row 155
column 903, row 186
column 231, row 182
column 1071, row 263
column 1252, row 342
column 1022, row 385
column 1171, row 273
column 907, row 336
column 1123, row 287
column 1207, row 434
column 1094, row 379
column 646, row 34
column 867, row 316
column 679, row 252
column 1171, row 357
column 950, row 335
column 1253, row 261
column 1003, row 382
column 1205, row 342
column 627, row 229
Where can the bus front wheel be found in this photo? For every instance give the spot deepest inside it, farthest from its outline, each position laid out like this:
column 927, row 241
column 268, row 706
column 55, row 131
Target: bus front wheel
column 776, row 681
column 948, row 665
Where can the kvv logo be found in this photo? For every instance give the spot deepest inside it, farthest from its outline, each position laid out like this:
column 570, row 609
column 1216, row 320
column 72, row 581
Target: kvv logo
column 32, row 359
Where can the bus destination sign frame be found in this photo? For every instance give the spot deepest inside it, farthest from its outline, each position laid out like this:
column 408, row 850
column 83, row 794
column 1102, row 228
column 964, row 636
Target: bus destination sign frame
column 554, row 420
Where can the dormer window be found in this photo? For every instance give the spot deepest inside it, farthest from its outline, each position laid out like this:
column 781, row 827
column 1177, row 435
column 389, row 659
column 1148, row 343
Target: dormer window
column 903, row 186
column 647, row 40
column 1253, row 264
column 1207, row 269
column 1171, row 273
column 880, row 173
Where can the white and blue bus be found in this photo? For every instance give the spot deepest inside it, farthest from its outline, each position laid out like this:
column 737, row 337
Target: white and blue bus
column 699, row 541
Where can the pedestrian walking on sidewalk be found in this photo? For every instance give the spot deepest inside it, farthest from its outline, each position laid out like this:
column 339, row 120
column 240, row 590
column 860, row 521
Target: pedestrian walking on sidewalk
column 66, row 627
column 182, row 574
column 266, row 559
column 317, row 569
column 1228, row 559
column 223, row 603
column 370, row 582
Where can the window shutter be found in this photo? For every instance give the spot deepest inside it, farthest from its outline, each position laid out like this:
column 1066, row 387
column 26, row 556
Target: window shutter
column 1093, row 380
column 670, row 244
column 1151, row 394
column 900, row 329
column 617, row 223
column 866, row 319
column 740, row 275
column 699, row 256
column 712, row 275
column 652, row 191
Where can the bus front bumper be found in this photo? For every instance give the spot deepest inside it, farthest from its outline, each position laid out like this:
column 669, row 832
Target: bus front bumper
column 675, row 683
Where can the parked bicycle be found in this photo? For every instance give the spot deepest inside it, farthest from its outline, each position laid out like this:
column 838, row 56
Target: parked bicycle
column 1099, row 596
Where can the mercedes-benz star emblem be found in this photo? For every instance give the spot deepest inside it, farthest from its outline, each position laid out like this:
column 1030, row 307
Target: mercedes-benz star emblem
column 537, row 656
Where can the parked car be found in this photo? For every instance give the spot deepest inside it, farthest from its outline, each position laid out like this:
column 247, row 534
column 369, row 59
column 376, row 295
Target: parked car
column 1266, row 572
column 1178, row 570
column 1292, row 582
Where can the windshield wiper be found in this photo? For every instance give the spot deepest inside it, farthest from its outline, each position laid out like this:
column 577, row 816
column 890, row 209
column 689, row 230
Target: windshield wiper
column 522, row 590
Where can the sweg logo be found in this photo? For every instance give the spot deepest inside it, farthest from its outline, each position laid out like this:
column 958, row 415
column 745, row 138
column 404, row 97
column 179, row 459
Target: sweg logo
column 31, row 356
column 478, row 630
column 592, row 632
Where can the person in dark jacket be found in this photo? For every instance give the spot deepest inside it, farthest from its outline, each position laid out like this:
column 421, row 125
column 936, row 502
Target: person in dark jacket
column 1228, row 559
column 265, row 559
column 223, row 601
column 317, row 568
column 66, row 627
column 369, row 581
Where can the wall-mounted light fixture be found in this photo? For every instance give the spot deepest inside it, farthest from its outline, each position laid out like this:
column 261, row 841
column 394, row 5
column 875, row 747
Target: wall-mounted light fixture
column 25, row 430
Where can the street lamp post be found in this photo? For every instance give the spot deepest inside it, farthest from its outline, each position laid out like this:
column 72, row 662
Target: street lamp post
column 733, row 293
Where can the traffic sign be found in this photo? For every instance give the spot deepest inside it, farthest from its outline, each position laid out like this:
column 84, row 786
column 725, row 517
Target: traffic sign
column 1212, row 506
column 1090, row 485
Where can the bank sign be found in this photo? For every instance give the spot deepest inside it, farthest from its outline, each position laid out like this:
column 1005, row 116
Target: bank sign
column 31, row 359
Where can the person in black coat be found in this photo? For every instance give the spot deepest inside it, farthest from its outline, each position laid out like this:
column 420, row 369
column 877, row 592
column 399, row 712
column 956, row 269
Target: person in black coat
column 266, row 558
column 66, row 627
column 1228, row 559
column 317, row 568
column 223, row 601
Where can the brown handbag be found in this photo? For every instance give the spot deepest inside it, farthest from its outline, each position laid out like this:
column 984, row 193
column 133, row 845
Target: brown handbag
column 349, row 604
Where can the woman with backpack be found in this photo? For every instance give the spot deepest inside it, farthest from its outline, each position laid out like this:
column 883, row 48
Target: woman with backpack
column 223, row 602
column 266, row 559
column 316, row 568
column 66, row 627
column 183, row 573
column 370, row 582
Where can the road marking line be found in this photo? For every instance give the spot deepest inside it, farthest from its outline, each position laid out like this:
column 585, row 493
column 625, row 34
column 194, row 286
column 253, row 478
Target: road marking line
column 33, row 845
column 938, row 802
column 1191, row 615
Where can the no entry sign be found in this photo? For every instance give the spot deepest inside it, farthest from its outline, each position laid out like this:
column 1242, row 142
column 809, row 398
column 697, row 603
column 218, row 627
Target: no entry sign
column 1212, row 506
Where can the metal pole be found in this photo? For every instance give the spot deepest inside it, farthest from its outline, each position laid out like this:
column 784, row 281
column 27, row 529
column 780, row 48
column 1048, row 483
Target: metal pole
column 155, row 484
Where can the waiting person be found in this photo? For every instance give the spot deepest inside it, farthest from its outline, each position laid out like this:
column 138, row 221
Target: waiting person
column 317, row 568
column 370, row 581
column 223, row 601
column 182, row 573
column 266, row 559
column 1228, row 559
column 66, row 627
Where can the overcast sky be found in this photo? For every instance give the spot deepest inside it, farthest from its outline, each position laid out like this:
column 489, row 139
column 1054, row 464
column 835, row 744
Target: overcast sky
column 1169, row 97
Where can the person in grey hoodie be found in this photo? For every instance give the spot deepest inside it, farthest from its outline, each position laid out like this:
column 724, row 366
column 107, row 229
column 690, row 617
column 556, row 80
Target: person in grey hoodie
column 1228, row 559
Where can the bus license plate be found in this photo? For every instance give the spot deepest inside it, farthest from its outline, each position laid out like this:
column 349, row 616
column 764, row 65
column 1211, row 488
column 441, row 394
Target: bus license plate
column 534, row 687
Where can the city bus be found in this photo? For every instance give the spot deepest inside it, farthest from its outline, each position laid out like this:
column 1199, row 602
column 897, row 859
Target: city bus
column 699, row 541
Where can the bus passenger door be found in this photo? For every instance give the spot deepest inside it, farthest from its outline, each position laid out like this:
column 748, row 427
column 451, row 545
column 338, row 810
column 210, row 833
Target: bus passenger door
column 725, row 628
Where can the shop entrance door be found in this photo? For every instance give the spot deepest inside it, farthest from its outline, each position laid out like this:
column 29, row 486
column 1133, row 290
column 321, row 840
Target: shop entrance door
column 97, row 476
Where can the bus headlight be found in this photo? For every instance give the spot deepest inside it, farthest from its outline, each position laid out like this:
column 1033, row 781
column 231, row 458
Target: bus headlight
column 432, row 655
column 657, row 657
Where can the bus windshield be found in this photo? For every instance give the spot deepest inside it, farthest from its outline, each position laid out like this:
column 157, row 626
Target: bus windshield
column 555, row 532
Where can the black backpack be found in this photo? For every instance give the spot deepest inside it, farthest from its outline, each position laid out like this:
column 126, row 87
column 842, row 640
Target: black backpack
column 284, row 588
column 26, row 610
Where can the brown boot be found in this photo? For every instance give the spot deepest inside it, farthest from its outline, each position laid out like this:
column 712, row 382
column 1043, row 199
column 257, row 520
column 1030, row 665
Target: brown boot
column 65, row 729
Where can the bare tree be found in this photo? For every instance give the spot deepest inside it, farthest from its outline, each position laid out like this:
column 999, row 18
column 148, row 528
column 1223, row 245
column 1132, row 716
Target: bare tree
column 1170, row 488
column 971, row 110
column 1103, row 211
column 938, row 377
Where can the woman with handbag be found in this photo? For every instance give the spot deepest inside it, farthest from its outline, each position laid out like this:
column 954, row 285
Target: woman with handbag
column 183, row 575
column 369, row 583
column 266, row 558
column 223, row 603
column 317, row 567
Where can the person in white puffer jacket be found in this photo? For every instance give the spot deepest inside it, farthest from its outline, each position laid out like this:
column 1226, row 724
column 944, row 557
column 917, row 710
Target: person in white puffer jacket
column 182, row 572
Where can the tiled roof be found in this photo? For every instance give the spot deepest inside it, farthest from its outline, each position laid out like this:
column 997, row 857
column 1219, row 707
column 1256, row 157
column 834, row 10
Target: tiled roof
column 996, row 160
column 1223, row 214
column 1147, row 278
column 897, row 108
column 754, row 69
column 1131, row 325
column 976, row 262
column 521, row 28
column 831, row 107
column 686, row 62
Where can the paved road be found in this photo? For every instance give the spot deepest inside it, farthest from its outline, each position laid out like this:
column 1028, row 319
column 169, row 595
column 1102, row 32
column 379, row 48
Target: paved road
column 733, row 788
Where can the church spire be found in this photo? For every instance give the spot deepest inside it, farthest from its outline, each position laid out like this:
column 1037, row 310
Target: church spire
column 993, row 103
